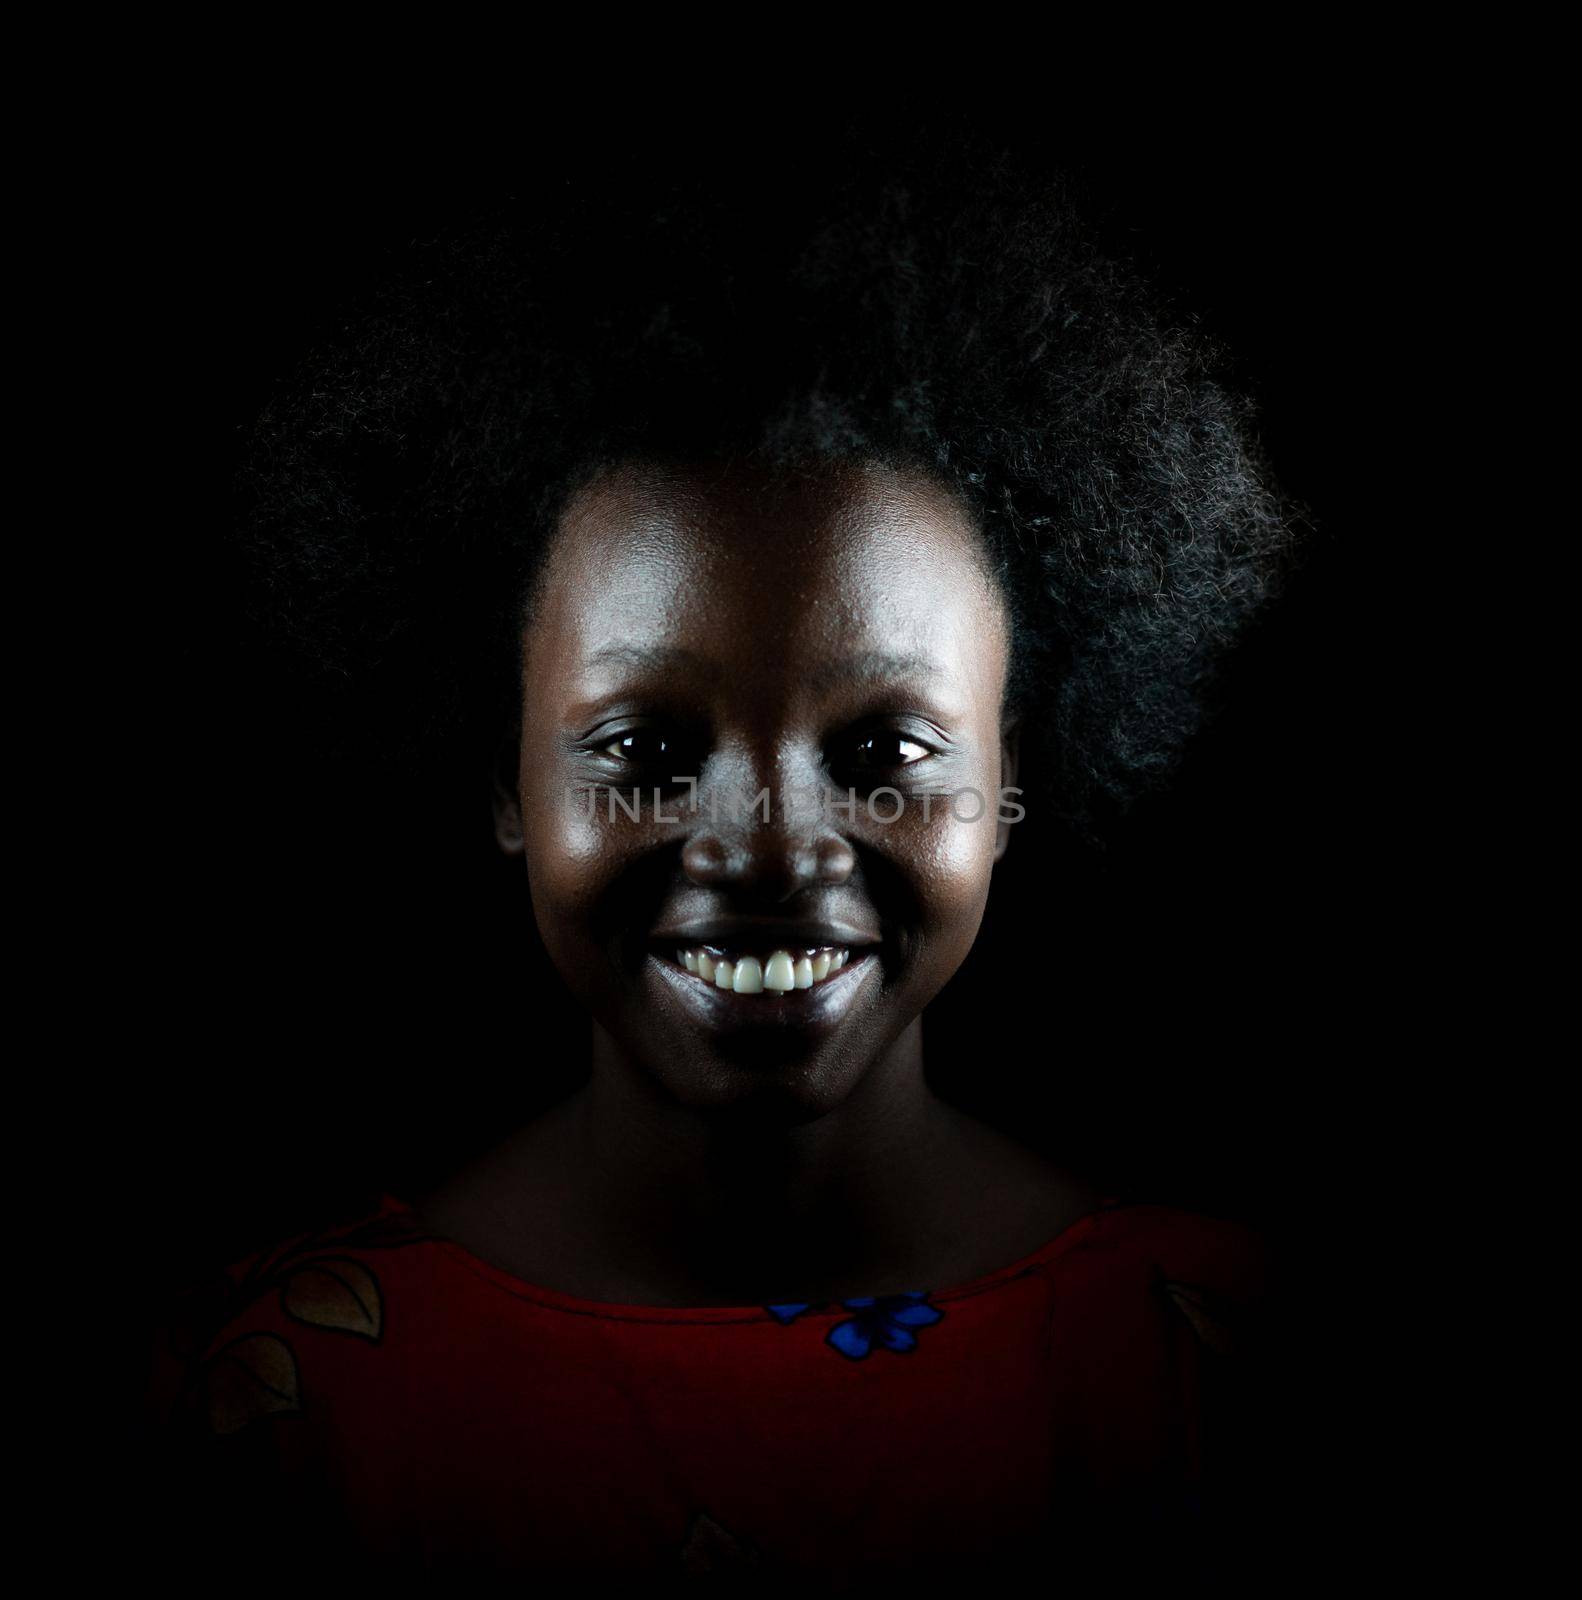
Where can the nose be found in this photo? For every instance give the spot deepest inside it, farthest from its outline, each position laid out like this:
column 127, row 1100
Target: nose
column 769, row 860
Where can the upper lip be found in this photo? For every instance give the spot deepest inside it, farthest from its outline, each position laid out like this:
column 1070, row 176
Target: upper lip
column 770, row 933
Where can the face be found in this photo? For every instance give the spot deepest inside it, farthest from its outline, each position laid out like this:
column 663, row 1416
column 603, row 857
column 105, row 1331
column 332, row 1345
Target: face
column 710, row 634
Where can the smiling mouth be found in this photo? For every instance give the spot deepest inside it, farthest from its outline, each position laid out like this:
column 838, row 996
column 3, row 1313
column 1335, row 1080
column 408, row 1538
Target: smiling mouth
column 778, row 971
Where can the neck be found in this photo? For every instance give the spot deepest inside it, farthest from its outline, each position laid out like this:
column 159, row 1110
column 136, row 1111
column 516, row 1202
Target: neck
column 739, row 1208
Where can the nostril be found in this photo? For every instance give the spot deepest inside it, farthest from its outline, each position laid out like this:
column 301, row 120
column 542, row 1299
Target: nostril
column 833, row 860
column 705, row 859
column 768, row 864
column 828, row 862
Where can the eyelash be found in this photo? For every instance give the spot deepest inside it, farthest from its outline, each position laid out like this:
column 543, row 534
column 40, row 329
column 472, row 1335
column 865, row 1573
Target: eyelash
column 636, row 733
column 669, row 742
column 902, row 739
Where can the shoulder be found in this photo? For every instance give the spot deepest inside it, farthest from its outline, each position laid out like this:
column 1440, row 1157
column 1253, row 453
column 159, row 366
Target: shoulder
column 228, row 1349
column 255, row 1372
column 1209, row 1274
column 1213, row 1249
column 1169, row 1367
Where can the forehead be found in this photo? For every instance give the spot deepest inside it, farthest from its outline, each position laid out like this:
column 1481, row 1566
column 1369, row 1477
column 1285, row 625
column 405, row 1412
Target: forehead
column 722, row 561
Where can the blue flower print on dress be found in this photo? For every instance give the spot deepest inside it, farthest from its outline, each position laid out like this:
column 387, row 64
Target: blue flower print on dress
column 791, row 1310
column 886, row 1319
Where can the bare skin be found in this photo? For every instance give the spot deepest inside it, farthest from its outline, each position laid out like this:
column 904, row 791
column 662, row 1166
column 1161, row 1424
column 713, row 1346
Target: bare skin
column 837, row 633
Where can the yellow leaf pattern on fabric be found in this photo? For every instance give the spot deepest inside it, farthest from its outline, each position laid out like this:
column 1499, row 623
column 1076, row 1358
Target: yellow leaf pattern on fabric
column 1208, row 1318
column 336, row 1292
column 710, row 1548
column 254, row 1376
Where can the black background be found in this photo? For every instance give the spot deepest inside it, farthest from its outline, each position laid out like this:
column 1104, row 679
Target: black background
column 344, row 992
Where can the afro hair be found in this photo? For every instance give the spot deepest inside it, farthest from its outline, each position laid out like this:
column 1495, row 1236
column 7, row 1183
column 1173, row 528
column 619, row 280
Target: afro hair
column 950, row 313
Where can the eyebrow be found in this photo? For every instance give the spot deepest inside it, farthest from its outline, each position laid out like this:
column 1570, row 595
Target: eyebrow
column 865, row 666
column 659, row 655
column 872, row 665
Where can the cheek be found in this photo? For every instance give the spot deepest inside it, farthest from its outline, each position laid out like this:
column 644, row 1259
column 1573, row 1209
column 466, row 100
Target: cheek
column 956, row 850
column 574, row 855
column 946, row 858
column 959, row 860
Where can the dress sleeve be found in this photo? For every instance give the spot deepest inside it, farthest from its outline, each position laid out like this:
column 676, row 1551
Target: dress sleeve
column 222, row 1493
column 1218, row 1292
column 1167, row 1381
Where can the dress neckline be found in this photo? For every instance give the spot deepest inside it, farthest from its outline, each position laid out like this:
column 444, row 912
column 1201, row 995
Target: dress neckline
column 1073, row 1234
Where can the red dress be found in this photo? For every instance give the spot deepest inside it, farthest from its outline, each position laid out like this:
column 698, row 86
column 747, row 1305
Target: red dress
column 380, row 1397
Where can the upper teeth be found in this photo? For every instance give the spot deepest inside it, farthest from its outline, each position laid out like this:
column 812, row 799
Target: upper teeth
column 785, row 969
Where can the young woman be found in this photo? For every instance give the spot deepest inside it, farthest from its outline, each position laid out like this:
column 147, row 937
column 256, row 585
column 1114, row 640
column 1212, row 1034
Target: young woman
column 807, row 549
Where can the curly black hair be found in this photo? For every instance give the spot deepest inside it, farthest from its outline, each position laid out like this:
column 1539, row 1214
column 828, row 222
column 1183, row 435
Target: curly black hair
column 951, row 313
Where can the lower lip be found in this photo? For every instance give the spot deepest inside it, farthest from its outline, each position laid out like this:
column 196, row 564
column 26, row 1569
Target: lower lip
column 816, row 1009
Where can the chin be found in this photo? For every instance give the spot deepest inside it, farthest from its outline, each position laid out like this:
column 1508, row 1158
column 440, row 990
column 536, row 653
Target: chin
column 759, row 1076
column 773, row 1079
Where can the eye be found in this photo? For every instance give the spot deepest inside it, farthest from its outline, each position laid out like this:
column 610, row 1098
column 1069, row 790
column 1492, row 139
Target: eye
column 886, row 749
column 643, row 747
